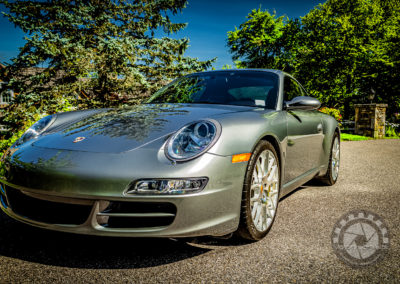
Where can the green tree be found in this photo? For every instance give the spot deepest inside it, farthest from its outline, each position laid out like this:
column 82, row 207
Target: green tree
column 265, row 41
column 341, row 50
column 345, row 52
column 100, row 53
column 256, row 43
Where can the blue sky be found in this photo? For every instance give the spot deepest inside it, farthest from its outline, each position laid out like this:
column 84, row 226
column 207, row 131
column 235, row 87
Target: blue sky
column 208, row 24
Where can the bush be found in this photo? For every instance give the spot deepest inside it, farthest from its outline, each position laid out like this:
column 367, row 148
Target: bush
column 332, row 112
column 390, row 131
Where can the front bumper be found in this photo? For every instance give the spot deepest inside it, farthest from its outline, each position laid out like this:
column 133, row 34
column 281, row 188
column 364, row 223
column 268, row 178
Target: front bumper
column 94, row 204
column 183, row 216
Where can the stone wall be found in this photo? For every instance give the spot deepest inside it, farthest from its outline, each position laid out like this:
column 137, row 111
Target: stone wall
column 370, row 120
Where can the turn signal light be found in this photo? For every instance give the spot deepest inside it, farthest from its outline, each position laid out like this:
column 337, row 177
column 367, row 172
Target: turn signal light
column 241, row 157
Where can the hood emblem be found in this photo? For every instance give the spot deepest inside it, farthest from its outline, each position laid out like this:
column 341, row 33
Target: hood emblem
column 79, row 139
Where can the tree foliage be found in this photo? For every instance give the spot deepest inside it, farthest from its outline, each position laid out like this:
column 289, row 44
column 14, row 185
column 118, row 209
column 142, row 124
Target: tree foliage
column 257, row 40
column 95, row 53
column 341, row 50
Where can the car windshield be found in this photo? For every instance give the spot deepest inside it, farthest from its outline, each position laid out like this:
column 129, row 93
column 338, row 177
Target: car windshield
column 244, row 88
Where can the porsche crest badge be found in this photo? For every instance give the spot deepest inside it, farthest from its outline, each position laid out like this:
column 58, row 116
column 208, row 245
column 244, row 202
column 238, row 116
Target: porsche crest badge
column 79, row 139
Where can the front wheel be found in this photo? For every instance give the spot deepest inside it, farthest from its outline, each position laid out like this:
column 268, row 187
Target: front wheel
column 260, row 193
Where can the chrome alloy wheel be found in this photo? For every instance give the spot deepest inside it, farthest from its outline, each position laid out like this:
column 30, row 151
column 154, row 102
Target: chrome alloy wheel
column 264, row 190
column 335, row 158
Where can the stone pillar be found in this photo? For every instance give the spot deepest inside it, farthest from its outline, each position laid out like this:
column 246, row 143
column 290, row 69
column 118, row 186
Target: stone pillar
column 370, row 120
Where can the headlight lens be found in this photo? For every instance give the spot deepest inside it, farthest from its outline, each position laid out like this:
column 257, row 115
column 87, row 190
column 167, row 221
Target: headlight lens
column 192, row 140
column 35, row 130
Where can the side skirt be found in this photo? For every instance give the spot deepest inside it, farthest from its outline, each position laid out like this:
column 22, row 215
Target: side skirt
column 299, row 181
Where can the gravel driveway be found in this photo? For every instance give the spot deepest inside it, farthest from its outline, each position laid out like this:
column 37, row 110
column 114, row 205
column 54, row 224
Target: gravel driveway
column 297, row 249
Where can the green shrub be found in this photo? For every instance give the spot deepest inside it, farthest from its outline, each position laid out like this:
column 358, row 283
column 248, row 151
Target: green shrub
column 332, row 112
column 391, row 132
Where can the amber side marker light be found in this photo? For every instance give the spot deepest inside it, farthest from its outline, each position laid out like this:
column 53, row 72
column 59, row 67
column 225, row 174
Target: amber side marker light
column 241, row 157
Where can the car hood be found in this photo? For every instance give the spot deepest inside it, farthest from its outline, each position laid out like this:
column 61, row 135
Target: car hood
column 120, row 130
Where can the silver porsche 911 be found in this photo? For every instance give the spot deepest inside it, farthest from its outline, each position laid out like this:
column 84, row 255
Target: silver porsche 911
column 209, row 154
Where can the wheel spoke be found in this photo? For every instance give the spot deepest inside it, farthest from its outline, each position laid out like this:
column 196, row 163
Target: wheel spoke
column 260, row 218
column 263, row 158
column 258, row 213
column 265, row 217
column 255, row 189
column 272, row 175
column 272, row 193
column 253, row 199
column 270, row 163
column 272, row 206
column 269, row 214
column 253, row 212
column 255, row 177
column 259, row 171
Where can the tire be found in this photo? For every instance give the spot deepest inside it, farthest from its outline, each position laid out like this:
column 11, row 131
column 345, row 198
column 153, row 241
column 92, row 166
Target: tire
column 260, row 199
column 332, row 173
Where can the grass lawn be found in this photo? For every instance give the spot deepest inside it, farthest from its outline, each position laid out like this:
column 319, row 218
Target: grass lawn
column 352, row 137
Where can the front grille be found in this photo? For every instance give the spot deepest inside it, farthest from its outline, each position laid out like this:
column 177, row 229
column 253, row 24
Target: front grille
column 137, row 215
column 46, row 211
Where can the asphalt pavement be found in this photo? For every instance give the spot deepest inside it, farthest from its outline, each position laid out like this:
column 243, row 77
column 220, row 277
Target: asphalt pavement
column 297, row 249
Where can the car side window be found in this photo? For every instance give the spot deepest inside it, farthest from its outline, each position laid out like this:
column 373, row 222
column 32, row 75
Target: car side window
column 291, row 89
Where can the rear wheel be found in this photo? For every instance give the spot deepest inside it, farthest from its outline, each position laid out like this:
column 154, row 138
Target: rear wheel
column 334, row 162
column 260, row 193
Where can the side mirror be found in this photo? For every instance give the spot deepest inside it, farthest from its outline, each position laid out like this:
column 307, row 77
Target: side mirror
column 305, row 103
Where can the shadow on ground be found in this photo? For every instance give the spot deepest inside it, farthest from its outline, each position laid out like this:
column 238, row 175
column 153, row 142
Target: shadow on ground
column 314, row 183
column 32, row 244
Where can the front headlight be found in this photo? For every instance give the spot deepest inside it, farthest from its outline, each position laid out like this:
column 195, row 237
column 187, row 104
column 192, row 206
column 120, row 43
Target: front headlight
column 168, row 186
column 192, row 140
column 35, row 130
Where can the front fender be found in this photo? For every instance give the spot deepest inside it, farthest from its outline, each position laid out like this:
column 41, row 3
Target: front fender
column 242, row 132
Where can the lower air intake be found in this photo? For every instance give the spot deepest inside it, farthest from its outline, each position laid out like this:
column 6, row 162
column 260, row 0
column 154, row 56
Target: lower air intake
column 131, row 215
column 46, row 211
